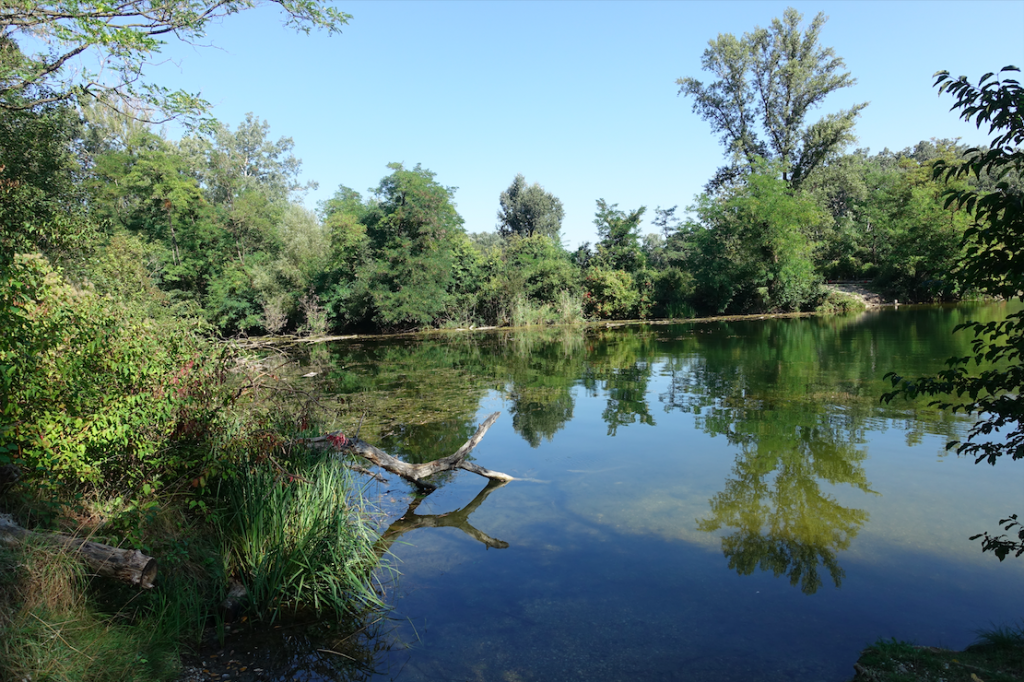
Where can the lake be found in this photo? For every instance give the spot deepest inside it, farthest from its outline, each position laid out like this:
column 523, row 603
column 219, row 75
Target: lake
column 706, row 501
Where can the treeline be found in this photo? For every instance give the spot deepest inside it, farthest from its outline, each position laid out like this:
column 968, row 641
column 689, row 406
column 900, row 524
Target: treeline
column 213, row 225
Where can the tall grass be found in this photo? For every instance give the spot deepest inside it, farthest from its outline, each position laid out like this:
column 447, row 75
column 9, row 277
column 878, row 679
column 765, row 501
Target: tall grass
column 298, row 539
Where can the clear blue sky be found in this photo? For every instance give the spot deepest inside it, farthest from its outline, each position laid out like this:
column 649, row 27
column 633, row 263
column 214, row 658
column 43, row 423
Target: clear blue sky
column 578, row 96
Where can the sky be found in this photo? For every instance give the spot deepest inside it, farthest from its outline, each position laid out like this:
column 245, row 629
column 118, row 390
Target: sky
column 578, row 96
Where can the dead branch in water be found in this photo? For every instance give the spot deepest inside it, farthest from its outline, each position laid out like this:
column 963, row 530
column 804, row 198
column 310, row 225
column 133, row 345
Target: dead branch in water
column 414, row 473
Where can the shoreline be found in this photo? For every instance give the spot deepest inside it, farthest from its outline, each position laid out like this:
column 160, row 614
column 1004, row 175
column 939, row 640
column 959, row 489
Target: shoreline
column 869, row 299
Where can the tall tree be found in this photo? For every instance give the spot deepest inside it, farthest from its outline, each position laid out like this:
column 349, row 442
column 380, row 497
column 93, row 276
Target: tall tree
column 527, row 210
column 766, row 83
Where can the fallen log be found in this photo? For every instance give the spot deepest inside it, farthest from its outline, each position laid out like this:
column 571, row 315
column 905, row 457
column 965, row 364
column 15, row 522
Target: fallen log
column 127, row 565
column 415, row 473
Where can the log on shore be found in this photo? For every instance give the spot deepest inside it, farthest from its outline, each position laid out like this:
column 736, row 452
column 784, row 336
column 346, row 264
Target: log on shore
column 127, row 565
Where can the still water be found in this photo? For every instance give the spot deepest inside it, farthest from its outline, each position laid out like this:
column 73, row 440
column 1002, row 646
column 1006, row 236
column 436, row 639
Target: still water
column 706, row 501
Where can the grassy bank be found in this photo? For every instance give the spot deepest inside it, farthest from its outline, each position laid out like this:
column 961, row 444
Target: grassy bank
column 291, row 534
column 997, row 656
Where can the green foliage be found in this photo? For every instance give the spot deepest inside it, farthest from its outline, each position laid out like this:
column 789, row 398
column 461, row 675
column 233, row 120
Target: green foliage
column 413, row 230
column 767, row 82
column 616, row 280
column 234, row 163
column 91, row 392
column 147, row 188
column 993, row 244
column 526, row 271
column 610, row 294
column 41, row 201
column 619, row 247
column 921, row 240
column 527, row 210
column 345, row 296
column 838, row 303
column 673, row 290
column 751, row 247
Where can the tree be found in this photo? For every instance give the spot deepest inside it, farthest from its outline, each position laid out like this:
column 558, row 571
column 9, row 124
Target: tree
column 527, row 210
column 412, row 231
column 751, row 247
column 993, row 266
column 619, row 247
column 617, row 282
column 918, row 241
column 245, row 160
column 766, row 84
column 41, row 200
column 123, row 37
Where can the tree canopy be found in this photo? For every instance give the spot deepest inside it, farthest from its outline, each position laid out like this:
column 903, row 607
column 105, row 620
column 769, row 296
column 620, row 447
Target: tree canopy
column 766, row 84
column 527, row 210
column 994, row 246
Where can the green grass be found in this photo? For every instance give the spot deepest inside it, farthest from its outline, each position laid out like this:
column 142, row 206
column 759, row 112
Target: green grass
column 56, row 626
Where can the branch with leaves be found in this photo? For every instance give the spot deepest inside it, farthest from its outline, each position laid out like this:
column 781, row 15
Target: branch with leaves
column 123, row 37
column 994, row 247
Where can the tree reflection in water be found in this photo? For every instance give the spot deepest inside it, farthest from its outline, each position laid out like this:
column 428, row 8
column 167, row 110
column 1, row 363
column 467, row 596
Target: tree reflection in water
column 782, row 519
column 791, row 445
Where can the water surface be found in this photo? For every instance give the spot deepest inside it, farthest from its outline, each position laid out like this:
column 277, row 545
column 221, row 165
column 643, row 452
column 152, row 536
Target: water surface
column 706, row 501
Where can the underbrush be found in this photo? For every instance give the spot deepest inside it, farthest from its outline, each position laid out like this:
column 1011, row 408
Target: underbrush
column 294, row 533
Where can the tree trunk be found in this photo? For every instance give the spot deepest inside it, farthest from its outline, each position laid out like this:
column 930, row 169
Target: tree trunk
column 128, row 565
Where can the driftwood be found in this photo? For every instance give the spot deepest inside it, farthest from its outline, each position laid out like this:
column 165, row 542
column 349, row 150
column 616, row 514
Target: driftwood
column 415, row 473
column 128, row 565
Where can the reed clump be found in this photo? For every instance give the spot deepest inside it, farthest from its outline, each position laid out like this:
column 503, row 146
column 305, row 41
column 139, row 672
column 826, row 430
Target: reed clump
column 298, row 538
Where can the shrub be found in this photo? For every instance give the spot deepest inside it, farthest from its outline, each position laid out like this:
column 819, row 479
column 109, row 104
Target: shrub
column 610, row 294
column 95, row 393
